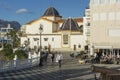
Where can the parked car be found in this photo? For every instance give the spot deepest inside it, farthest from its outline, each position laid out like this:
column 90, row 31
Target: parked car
column 80, row 54
column 74, row 54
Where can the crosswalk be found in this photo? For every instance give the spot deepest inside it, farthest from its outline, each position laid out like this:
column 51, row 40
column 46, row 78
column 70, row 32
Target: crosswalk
column 70, row 70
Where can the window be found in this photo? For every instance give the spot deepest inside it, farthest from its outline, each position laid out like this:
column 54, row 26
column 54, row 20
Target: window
column 35, row 39
column 102, row 1
column 103, row 16
column 52, row 39
column 117, row 0
column 95, row 17
column 79, row 46
column 3, row 30
column 117, row 15
column 9, row 30
column 88, row 24
column 45, row 39
column 114, row 32
column 111, row 16
column 112, row 1
column 65, row 39
column 28, row 39
column 95, row 1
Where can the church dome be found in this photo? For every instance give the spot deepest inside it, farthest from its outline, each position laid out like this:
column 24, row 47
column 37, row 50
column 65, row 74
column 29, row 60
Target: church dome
column 70, row 24
column 51, row 11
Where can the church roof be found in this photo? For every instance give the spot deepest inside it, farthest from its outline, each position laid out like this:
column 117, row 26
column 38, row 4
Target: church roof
column 51, row 11
column 70, row 24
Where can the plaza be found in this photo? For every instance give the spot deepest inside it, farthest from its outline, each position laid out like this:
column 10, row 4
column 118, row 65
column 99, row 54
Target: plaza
column 97, row 34
column 70, row 70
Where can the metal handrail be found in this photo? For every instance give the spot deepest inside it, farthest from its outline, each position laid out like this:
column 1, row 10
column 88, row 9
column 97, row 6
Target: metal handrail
column 18, row 64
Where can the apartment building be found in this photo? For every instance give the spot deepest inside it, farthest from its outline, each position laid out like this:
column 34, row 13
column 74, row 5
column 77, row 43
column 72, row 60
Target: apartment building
column 105, row 26
column 86, row 24
column 3, row 34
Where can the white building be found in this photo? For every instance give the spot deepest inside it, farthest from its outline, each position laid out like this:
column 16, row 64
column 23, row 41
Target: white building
column 105, row 26
column 57, row 34
column 86, row 20
column 4, row 38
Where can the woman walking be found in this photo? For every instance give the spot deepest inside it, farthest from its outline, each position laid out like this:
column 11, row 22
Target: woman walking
column 59, row 58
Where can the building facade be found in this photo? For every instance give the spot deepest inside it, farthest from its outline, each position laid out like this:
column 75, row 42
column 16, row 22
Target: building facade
column 86, row 24
column 105, row 26
column 57, row 33
column 4, row 38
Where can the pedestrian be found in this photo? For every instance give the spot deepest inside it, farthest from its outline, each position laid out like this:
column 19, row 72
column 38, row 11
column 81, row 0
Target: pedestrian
column 52, row 57
column 45, row 56
column 41, row 59
column 59, row 58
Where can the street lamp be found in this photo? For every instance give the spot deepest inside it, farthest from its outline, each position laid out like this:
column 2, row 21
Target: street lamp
column 41, row 60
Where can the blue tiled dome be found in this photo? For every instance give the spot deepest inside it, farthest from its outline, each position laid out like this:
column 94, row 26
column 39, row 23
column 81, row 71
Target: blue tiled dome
column 51, row 11
column 70, row 24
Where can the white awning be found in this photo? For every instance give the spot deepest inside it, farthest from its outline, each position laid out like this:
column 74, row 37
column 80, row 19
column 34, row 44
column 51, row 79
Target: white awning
column 103, row 47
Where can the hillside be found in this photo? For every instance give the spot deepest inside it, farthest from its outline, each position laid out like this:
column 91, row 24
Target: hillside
column 14, row 24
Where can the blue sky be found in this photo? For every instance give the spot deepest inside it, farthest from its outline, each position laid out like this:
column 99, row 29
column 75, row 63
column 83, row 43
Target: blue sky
column 24, row 11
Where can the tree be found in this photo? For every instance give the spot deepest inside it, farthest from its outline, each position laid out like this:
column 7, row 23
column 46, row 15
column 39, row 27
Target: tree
column 20, row 33
column 0, row 45
column 7, row 54
column 7, row 45
column 21, row 54
column 15, row 38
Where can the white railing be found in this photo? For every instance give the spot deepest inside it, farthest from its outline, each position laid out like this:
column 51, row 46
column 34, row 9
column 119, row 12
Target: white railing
column 18, row 64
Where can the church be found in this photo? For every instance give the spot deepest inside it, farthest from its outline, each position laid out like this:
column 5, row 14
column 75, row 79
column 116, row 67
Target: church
column 54, row 32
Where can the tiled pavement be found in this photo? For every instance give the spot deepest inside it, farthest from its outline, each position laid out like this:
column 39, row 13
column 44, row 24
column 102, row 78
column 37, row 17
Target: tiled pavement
column 67, row 72
column 70, row 70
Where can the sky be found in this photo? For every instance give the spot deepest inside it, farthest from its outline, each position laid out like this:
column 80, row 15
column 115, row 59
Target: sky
column 24, row 11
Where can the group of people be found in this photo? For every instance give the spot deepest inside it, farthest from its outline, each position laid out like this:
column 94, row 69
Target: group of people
column 59, row 58
column 108, row 58
column 55, row 57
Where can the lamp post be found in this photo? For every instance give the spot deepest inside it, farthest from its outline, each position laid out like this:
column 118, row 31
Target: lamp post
column 41, row 60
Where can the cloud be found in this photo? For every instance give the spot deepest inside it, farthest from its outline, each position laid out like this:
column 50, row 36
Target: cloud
column 19, row 11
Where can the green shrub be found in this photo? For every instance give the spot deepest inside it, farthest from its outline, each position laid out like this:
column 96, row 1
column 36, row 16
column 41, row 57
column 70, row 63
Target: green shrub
column 0, row 45
column 21, row 54
column 7, row 54
column 8, row 46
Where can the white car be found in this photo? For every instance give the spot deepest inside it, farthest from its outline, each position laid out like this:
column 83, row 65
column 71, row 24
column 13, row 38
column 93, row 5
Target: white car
column 74, row 54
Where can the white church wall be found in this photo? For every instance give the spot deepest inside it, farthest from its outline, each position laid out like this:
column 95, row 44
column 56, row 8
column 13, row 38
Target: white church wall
column 22, row 40
column 23, row 28
column 78, row 40
column 53, row 40
column 50, row 17
column 33, row 42
column 34, row 27
column 79, row 23
column 61, row 24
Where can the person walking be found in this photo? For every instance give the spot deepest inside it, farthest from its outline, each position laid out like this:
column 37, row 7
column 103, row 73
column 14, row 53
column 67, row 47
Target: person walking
column 41, row 59
column 59, row 58
column 45, row 56
column 52, row 57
